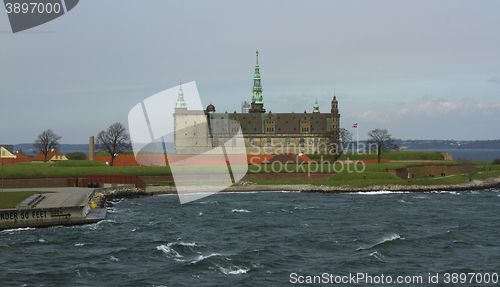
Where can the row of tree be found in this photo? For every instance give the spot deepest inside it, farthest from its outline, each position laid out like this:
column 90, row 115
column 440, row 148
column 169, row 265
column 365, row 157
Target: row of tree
column 380, row 138
column 114, row 140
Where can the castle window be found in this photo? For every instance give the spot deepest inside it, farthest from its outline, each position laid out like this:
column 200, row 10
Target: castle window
column 286, row 122
column 302, row 142
column 244, row 118
column 294, row 118
column 294, row 129
column 251, row 142
column 268, row 141
column 317, row 122
column 216, row 142
column 254, row 129
column 233, row 142
column 287, row 142
column 316, row 142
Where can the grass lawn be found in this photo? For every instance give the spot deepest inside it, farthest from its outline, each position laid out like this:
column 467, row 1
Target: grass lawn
column 390, row 155
column 80, row 168
column 9, row 199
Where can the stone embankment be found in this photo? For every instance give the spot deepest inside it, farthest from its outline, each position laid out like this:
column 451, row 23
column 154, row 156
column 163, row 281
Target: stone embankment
column 489, row 183
column 99, row 197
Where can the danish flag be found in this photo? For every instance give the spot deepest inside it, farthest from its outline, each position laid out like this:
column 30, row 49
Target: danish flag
column 355, row 125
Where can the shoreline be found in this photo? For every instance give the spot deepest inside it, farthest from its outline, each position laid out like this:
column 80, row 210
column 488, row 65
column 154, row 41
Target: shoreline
column 483, row 184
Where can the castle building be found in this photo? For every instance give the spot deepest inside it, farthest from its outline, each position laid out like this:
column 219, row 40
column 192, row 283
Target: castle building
column 264, row 133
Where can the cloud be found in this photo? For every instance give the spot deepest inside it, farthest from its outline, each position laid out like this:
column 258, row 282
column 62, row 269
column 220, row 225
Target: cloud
column 402, row 111
column 374, row 116
column 494, row 79
column 443, row 107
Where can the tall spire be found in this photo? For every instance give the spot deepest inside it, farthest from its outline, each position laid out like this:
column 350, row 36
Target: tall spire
column 316, row 107
column 180, row 104
column 257, row 87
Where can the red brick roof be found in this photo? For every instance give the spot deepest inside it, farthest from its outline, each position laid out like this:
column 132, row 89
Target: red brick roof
column 50, row 154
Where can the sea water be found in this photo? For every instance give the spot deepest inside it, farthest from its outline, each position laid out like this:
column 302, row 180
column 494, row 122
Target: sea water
column 266, row 239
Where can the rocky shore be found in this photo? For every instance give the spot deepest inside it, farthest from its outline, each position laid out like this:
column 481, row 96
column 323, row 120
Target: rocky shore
column 99, row 198
column 489, row 183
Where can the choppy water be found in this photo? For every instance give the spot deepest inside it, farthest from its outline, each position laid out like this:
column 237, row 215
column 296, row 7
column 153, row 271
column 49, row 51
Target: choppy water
column 259, row 239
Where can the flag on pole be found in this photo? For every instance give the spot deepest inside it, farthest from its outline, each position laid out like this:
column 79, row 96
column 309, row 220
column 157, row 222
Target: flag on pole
column 355, row 125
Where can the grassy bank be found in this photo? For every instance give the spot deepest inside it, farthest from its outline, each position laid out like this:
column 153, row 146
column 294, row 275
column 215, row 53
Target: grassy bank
column 390, row 155
column 80, row 168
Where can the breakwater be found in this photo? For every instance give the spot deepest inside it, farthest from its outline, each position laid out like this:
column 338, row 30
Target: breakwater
column 100, row 197
column 489, row 183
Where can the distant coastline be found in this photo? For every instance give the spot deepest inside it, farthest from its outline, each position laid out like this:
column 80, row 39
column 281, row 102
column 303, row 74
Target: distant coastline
column 420, row 145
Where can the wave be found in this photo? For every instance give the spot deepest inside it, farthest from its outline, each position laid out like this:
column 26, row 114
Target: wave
column 94, row 226
column 240, row 210
column 17, row 229
column 377, row 255
column 112, row 258
column 378, row 192
column 389, row 238
column 445, row 191
column 201, row 257
column 234, row 270
column 79, row 244
column 172, row 253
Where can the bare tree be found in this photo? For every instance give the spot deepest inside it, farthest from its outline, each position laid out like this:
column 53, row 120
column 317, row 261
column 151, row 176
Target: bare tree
column 383, row 140
column 345, row 138
column 46, row 141
column 468, row 168
column 114, row 140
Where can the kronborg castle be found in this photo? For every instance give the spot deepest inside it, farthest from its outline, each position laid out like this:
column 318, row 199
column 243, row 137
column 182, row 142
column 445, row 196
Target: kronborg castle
column 263, row 132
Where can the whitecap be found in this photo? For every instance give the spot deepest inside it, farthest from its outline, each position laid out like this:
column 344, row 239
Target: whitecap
column 240, row 210
column 378, row 192
column 112, row 258
column 384, row 239
column 201, row 257
column 170, row 252
column 79, row 244
column 41, row 240
column 234, row 270
column 377, row 255
column 17, row 229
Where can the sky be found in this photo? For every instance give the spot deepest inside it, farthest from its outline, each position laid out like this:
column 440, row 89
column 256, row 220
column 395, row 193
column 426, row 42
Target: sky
column 420, row 69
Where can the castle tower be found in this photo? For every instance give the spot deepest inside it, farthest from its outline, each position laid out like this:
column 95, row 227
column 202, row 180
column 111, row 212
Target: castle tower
column 335, row 120
column 180, row 104
column 316, row 107
column 257, row 104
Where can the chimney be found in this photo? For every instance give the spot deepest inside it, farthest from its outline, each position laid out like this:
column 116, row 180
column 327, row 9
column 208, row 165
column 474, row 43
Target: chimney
column 91, row 148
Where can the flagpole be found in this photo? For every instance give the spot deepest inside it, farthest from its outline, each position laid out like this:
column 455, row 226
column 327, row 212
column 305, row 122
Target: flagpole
column 357, row 138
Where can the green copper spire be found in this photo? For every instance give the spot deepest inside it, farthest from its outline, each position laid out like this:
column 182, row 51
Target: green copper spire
column 316, row 107
column 180, row 104
column 257, row 87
